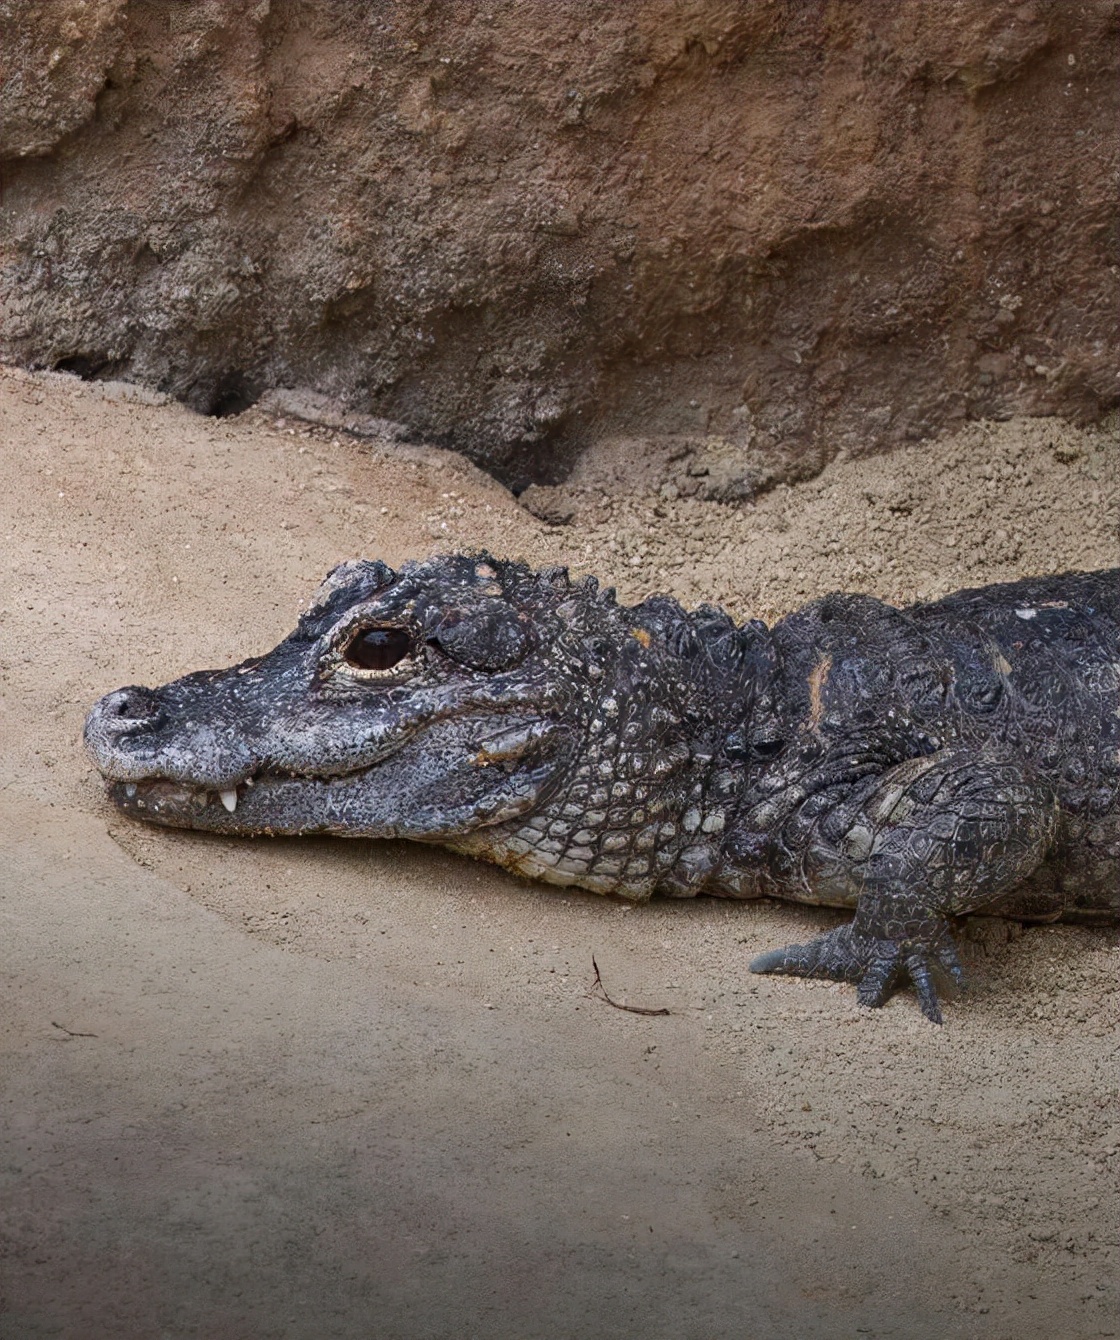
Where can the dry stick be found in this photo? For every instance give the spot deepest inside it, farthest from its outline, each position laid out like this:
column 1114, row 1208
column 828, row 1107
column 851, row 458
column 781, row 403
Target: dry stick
column 632, row 1009
column 70, row 1032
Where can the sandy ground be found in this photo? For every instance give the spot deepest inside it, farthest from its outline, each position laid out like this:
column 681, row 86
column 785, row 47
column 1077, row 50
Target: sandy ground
column 328, row 1088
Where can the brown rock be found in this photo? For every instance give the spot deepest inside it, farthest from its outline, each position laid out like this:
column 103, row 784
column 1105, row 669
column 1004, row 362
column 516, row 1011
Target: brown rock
column 522, row 228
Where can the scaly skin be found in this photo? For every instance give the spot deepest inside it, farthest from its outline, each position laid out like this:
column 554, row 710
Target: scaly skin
column 915, row 765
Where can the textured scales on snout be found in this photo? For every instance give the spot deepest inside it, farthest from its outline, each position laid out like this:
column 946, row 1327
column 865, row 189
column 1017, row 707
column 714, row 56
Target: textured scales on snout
column 914, row 765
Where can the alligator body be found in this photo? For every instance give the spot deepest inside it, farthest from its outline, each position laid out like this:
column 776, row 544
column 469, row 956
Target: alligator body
column 914, row 765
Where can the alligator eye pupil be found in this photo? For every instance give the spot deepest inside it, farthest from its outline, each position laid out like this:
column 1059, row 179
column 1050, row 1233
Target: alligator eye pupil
column 378, row 648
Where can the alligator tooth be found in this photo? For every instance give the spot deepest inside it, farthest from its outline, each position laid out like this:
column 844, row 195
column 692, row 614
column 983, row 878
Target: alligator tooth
column 229, row 799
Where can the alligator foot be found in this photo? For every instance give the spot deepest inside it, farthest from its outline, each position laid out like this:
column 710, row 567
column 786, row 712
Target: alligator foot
column 877, row 966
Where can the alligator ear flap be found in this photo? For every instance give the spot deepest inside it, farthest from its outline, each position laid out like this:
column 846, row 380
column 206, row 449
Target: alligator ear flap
column 490, row 639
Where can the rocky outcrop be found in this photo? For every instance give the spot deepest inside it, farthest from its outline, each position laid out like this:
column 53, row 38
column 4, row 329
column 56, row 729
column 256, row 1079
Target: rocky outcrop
column 795, row 229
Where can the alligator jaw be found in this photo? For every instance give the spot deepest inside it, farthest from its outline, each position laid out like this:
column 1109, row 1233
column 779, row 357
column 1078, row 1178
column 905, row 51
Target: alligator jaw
column 244, row 809
column 160, row 801
column 402, row 795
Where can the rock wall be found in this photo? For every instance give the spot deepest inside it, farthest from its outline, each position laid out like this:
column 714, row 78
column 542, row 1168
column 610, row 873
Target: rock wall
column 800, row 228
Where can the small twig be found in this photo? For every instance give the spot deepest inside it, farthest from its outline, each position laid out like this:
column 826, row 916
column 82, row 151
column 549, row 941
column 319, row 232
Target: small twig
column 632, row 1009
column 70, row 1032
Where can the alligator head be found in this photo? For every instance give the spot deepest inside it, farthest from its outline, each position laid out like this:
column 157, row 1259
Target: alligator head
column 465, row 700
column 420, row 703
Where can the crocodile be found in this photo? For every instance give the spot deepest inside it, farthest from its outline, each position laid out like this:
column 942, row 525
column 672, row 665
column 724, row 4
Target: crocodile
column 915, row 765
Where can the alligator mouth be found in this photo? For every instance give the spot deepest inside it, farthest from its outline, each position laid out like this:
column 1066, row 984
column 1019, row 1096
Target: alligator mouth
column 263, row 803
column 397, row 794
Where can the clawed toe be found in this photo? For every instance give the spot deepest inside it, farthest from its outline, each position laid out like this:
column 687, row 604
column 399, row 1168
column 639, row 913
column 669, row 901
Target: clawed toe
column 877, row 966
column 827, row 956
column 775, row 960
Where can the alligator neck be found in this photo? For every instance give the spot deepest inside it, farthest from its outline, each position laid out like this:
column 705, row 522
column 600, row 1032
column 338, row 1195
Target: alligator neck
column 654, row 782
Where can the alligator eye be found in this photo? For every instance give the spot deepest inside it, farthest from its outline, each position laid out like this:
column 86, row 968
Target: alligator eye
column 378, row 648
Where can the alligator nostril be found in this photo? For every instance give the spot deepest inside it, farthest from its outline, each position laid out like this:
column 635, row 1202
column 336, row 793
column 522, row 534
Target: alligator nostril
column 129, row 705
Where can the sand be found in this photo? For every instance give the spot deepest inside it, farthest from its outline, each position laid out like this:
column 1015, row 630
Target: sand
column 328, row 1088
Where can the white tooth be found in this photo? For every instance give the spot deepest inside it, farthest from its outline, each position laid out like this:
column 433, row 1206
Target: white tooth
column 229, row 799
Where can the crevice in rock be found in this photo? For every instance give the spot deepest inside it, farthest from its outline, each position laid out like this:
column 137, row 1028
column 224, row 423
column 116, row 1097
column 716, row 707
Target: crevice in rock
column 231, row 394
column 90, row 367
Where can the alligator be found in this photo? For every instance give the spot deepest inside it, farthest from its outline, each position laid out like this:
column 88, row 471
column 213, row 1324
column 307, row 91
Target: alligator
column 915, row 765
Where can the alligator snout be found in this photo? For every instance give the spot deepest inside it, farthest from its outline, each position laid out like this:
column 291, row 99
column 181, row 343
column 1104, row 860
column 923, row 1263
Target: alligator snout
column 136, row 734
column 122, row 732
column 123, row 713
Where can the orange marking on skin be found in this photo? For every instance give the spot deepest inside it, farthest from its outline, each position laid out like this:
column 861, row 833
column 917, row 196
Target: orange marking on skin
column 818, row 677
column 641, row 635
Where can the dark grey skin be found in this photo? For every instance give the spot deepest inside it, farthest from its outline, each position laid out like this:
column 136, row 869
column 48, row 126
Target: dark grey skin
column 916, row 765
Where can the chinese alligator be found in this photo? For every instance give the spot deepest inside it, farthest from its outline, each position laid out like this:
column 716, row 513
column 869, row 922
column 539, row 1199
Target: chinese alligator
column 914, row 764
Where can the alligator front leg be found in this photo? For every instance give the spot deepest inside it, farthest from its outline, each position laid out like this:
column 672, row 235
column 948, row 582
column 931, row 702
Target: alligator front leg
column 941, row 836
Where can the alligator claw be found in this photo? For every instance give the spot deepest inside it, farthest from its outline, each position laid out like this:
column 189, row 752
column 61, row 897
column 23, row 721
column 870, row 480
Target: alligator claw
column 877, row 966
column 827, row 956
